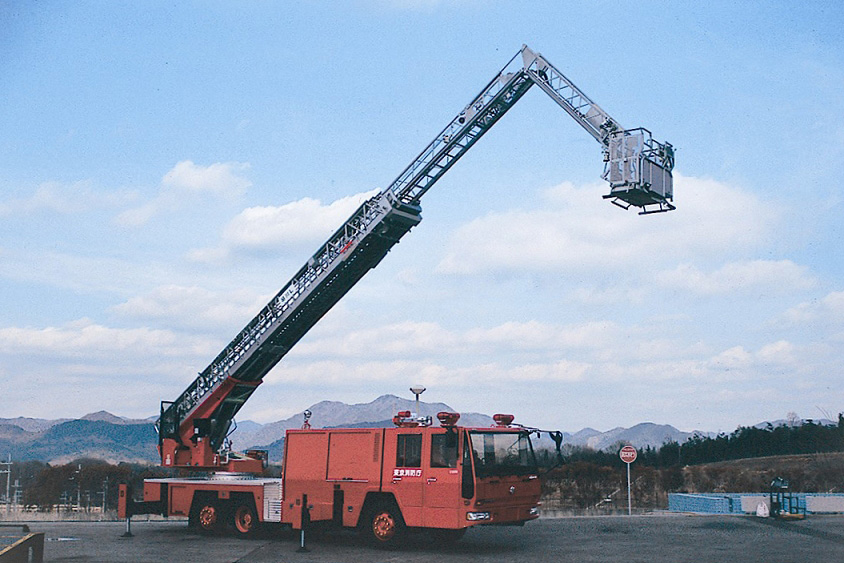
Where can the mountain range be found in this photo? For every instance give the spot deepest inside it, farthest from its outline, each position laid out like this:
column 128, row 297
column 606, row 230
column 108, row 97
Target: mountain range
column 114, row 438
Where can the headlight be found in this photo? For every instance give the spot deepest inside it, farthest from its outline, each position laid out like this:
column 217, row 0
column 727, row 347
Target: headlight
column 534, row 511
column 475, row 516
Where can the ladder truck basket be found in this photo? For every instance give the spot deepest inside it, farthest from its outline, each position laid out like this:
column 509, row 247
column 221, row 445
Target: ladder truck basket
column 638, row 169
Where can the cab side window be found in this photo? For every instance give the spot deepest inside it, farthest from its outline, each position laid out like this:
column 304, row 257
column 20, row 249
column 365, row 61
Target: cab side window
column 409, row 450
column 443, row 450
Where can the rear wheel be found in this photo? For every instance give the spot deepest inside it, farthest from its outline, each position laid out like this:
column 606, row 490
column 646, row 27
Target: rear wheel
column 385, row 526
column 244, row 519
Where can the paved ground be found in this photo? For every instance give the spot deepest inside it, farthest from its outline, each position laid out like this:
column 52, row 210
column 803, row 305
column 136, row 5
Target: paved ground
column 669, row 538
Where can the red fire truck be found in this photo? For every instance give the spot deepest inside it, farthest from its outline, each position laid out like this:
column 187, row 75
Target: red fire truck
column 378, row 480
column 415, row 475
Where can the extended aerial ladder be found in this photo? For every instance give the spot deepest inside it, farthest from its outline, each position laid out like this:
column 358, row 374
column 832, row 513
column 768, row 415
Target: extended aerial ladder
column 193, row 429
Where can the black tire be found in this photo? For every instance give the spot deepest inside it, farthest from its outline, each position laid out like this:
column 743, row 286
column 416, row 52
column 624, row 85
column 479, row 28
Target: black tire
column 446, row 537
column 384, row 526
column 244, row 519
column 207, row 516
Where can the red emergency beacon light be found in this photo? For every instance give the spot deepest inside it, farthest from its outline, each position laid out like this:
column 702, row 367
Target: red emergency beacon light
column 448, row 418
column 403, row 420
column 503, row 419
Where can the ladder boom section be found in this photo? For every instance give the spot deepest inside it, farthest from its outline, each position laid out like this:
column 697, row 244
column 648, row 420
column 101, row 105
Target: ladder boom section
column 221, row 388
column 569, row 97
column 462, row 132
column 638, row 168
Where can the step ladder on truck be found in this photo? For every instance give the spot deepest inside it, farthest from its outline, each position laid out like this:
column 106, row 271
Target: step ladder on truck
column 446, row 478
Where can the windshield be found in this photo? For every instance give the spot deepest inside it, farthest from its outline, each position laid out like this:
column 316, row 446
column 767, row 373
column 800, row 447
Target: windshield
column 502, row 453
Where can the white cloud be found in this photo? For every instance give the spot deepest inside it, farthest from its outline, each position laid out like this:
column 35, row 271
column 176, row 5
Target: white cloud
column 194, row 306
column 433, row 374
column 272, row 227
column 85, row 366
column 82, row 274
column 138, row 216
column 184, row 184
column 780, row 352
column 219, row 178
column 595, row 295
column 84, row 339
column 779, row 276
column 558, row 371
column 65, row 199
column 410, row 339
column 576, row 229
column 829, row 310
column 533, row 335
column 733, row 358
column 405, row 339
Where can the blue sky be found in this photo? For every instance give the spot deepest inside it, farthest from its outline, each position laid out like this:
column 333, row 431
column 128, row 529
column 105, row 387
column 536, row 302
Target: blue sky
column 166, row 168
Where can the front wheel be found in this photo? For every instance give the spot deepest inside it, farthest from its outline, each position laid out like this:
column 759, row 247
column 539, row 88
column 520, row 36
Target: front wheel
column 208, row 517
column 385, row 526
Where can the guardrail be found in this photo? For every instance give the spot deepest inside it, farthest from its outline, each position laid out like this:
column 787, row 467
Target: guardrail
column 746, row 503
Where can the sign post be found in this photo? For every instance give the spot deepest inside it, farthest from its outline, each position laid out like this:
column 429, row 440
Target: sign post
column 628, row 455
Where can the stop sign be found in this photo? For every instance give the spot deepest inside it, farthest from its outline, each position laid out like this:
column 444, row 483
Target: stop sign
column 627, row 454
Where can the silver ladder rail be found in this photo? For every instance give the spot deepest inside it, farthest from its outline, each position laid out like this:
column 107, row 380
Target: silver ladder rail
column 462, row 132
column 563, row 91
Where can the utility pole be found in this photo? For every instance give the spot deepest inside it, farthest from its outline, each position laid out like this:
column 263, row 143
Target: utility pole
column 105, row 494
column 77, row 476
column 8, row 472
column 16, row 497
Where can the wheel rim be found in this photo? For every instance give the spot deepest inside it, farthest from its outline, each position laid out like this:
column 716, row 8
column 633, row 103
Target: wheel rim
column 243, row 519
column 207, row 517
column 384, row 526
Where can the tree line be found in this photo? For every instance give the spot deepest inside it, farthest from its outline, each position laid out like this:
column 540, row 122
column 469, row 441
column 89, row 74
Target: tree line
column 82, row 485
column 807, row 437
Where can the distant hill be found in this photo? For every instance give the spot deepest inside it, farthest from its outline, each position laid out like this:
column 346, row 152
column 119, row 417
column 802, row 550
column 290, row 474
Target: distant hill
column 32, row 424
column 73, row 439
column 639, row 436
column 115, row 438
column 797, row 422
column 105, row 416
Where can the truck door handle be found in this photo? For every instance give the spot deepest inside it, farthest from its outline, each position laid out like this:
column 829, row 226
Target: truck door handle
column 432, row 480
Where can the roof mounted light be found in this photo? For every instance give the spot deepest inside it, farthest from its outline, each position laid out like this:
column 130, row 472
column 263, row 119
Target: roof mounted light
column 448, row 418
column 503, row 419
column 405, row 419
